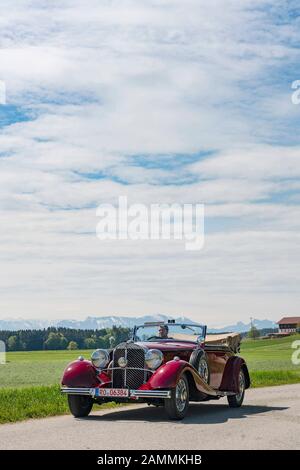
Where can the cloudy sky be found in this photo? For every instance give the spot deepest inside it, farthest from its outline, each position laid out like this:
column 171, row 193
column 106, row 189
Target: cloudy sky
column 163, row 101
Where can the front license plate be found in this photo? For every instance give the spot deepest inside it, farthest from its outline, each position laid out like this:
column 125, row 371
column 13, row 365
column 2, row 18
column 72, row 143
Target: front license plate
column 112, row 392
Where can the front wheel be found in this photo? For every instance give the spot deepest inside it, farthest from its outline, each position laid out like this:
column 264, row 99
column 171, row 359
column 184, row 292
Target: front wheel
column 177, row 406
column 235, row 401
column 80, row 405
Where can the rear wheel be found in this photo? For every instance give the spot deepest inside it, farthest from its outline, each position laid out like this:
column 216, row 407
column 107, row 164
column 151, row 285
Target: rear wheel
column 177, row 406
column 235, row 401
column 80, row 405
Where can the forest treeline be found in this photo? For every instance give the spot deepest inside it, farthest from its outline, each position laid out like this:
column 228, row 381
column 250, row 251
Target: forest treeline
column 63, row 338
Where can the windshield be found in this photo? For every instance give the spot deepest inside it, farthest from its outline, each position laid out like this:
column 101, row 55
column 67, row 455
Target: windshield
column 170, row 331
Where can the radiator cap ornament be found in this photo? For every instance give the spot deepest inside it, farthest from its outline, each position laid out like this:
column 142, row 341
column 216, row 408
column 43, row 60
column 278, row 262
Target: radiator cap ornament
column 122, row 362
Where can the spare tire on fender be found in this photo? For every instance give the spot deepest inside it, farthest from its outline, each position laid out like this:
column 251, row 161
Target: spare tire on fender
column 199, row 361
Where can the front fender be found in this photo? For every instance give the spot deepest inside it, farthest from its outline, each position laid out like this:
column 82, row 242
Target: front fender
column 80, row 374
column 167, row 376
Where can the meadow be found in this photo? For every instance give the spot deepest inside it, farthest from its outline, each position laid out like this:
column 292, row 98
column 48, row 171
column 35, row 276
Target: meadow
column 30, row 368
column 269, row 361
column 29, row 382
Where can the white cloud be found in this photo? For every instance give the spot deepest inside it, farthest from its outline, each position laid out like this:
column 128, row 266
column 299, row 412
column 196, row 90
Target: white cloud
column 105, row 81
column 265, row 162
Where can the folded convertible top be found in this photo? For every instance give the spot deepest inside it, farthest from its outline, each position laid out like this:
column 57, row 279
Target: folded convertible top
column 232, row 340
column 228, row 340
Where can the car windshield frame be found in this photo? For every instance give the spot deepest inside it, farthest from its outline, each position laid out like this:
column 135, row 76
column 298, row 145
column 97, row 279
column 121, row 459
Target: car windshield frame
column 198, row 339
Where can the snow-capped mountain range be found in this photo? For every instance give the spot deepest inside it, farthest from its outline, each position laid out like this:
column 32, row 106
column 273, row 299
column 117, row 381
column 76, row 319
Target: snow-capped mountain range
column 94, row 323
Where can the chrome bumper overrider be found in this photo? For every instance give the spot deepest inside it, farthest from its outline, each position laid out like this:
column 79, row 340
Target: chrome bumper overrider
column 132, row 393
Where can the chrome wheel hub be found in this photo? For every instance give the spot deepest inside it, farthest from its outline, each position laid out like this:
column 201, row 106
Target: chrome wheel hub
column 181, row 395
column 203, row 370
column 241, row 386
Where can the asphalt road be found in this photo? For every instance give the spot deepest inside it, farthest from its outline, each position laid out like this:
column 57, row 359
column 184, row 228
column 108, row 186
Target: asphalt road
column 269, row 419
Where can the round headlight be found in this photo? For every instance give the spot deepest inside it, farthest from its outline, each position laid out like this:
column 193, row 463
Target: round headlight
column 100, row 358
column 154, row 358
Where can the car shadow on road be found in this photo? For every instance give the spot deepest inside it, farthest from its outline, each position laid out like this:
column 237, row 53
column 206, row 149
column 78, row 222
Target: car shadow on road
column 198, row 413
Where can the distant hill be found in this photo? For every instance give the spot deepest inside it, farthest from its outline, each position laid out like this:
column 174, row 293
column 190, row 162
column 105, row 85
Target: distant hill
column 241, row 327
column 94, row 323
column 20, row 324
column 108, row 322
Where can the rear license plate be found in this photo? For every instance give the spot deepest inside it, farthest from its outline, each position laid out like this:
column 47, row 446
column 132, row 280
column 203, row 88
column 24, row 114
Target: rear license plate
column 112, row 392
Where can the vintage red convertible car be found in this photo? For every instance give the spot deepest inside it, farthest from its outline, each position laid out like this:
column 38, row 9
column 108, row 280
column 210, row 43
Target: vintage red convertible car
column 164, row 364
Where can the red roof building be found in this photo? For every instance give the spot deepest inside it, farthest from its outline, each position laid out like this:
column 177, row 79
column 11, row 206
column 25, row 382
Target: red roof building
column 288, row 324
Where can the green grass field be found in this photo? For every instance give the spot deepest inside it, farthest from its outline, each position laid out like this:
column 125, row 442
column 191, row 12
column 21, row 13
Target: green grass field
column 269, row 361
column 35, row 402
column 29, row 382
column 28, row 368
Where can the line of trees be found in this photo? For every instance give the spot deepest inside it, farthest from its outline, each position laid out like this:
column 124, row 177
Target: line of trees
column 63, row 338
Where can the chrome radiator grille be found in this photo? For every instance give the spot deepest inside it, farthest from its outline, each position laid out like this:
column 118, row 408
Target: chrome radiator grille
column 131, row 376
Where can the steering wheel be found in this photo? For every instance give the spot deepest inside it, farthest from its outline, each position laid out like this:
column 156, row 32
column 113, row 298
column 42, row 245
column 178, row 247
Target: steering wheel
column 154, row 337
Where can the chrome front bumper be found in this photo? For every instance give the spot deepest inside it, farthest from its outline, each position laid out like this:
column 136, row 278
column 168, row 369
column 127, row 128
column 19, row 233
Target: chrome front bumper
column 132, row 393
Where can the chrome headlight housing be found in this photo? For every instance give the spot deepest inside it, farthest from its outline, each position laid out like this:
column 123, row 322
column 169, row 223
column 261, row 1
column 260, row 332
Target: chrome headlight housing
column 100, row 358
column 154, row 358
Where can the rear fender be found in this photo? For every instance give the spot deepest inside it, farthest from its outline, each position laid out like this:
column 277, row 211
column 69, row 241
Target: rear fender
column 80, row 374
column 231, row 374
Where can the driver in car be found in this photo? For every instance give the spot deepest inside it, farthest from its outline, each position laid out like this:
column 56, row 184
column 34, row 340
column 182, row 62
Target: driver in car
column 163, row 331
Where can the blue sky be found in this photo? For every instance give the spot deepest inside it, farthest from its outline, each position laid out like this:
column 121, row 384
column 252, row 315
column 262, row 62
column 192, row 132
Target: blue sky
column 162, row 101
